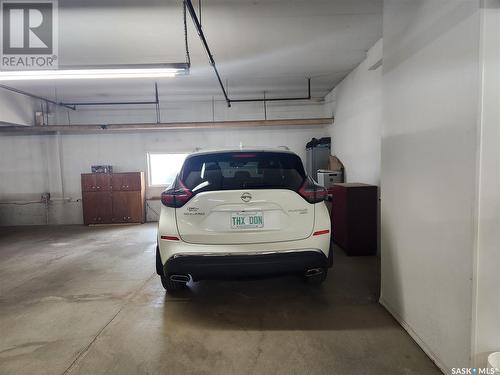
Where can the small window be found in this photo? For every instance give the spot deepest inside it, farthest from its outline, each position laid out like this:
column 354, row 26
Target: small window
column 164, row 167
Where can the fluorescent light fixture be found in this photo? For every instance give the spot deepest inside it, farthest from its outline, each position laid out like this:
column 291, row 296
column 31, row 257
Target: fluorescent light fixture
column 98, row 72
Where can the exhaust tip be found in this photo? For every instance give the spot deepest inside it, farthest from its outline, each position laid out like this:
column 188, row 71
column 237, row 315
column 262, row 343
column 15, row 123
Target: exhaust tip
column 180, row 278
column 314, row 272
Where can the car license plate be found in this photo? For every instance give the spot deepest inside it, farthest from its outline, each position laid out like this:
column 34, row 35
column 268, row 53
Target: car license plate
column 247, row 220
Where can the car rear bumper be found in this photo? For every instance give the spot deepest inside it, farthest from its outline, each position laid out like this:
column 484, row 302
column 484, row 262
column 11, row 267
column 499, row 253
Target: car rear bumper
column 231, row 266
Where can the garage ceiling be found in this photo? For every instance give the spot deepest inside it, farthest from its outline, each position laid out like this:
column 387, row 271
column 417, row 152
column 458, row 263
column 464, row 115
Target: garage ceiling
column 259, row 45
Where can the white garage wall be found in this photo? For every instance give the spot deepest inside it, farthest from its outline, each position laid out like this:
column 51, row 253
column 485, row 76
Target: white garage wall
column 487, row 304
column 31, row 165
column 429, row 152
column 356, row 133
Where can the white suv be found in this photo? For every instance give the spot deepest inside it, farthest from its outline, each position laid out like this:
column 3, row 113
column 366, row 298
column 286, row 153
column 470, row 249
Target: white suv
column 242, row 213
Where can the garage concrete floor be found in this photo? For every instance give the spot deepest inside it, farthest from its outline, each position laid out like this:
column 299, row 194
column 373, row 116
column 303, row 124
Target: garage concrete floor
column 85, row 300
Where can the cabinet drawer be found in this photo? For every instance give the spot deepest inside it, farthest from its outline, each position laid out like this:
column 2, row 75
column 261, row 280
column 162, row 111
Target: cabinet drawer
column 88, row 182
column 127, row 207
column 103, row 182
column 127, row 181
column 97, row 207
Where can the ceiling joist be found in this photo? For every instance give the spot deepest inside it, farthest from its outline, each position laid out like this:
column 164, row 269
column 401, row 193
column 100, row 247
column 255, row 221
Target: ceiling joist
column 114, row 128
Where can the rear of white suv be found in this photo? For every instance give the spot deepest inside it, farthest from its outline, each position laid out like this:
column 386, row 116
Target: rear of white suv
column 233, row 214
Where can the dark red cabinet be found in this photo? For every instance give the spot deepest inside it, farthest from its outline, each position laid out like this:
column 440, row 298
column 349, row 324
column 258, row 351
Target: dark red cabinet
column 354, row 218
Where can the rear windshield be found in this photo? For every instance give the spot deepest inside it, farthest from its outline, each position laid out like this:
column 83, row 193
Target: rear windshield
column 242, row 170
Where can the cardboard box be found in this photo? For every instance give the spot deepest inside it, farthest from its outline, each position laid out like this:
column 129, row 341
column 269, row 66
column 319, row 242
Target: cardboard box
column 335, row 164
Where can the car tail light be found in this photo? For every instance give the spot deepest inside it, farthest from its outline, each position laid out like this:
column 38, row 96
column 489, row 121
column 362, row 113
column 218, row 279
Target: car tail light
column 320, row 232
column 177, row 196
column 170, row 238
column 312, row 192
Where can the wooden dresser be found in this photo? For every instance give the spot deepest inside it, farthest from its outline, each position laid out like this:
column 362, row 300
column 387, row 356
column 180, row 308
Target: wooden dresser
column 113, row 198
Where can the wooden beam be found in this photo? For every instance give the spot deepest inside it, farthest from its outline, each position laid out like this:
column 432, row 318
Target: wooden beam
column 112, row 128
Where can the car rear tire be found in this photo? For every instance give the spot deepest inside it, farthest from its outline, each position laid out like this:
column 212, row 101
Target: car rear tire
column 171, row 286
column 159, row 264
column 316, row 279
column 330, row 256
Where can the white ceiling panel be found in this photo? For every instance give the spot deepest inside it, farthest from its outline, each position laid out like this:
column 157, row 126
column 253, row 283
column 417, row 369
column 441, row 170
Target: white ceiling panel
column 259, row 45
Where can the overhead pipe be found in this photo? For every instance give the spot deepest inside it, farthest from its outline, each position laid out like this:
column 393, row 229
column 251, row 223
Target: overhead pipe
column 211, row 60
column 197, row 24
column 77, row 104
column 308, row 97
column 30, row 95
